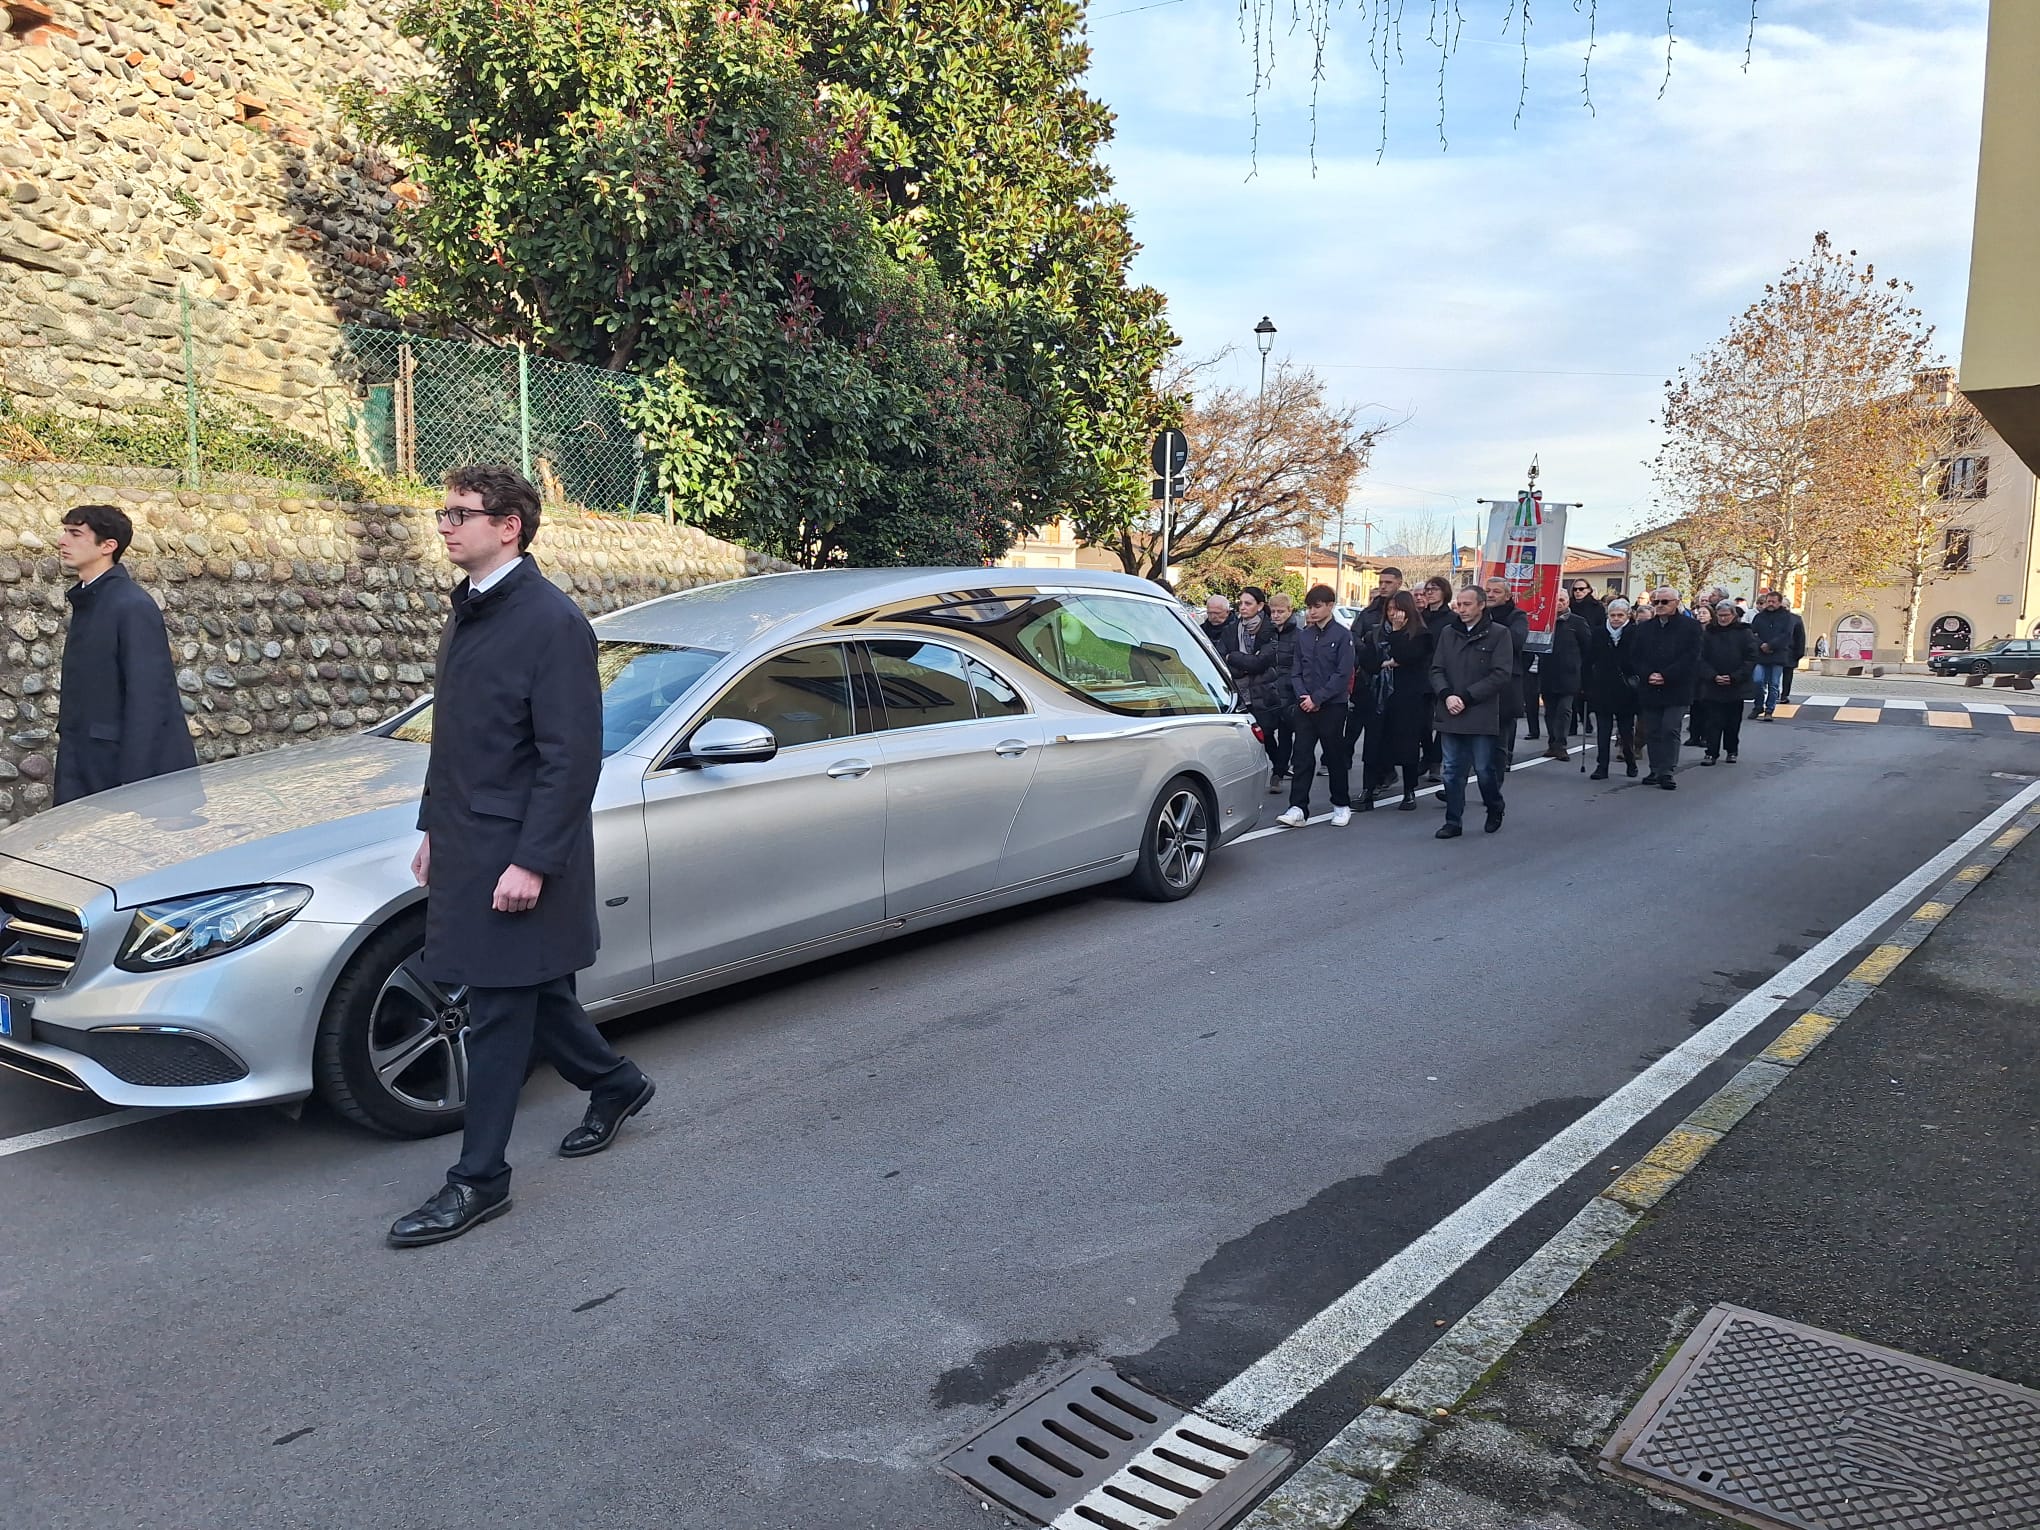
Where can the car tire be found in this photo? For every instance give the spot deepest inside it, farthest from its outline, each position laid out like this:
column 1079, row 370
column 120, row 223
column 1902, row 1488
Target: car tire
column 1979, row 666
column 389, row 1054
column 1177, row 838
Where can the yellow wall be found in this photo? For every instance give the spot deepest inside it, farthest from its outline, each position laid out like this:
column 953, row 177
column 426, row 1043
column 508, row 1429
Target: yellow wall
column 2001, row 337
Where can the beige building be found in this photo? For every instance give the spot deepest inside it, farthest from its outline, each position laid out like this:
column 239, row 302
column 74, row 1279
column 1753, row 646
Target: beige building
column 2001, row 338
column 1990, row 581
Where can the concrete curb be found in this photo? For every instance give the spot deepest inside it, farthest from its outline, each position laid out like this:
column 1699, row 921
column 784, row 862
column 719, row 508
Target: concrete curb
column 1334, row 1486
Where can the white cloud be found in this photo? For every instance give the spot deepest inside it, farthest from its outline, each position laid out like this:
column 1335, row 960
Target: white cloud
column 1620, row 242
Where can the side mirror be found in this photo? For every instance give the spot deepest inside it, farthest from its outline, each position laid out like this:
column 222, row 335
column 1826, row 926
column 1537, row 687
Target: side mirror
column 726, row 741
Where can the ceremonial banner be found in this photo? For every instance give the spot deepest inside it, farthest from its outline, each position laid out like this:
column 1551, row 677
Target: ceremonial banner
column 1526, row 546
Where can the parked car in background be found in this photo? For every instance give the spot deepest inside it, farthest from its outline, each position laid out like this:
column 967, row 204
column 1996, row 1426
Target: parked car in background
column 2003, row 656
column 795, row 765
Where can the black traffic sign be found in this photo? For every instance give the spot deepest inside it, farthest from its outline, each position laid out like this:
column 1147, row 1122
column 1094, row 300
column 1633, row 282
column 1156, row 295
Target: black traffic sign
column 1174, row 490
column 1172, row 451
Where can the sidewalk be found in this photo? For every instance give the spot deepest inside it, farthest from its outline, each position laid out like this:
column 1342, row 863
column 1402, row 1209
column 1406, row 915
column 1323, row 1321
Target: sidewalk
column 1885, row 1191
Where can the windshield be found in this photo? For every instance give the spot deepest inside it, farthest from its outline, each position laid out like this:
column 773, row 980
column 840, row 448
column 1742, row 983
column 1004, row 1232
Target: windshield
column 639, row 681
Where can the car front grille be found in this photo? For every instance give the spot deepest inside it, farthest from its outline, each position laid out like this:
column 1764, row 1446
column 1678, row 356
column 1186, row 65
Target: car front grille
column 39, row 942
column 164, row 1058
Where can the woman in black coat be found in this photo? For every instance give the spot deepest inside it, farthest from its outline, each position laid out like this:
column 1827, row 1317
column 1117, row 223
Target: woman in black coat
column 1400, row 648
column 1611, row 690
column 1728, row 656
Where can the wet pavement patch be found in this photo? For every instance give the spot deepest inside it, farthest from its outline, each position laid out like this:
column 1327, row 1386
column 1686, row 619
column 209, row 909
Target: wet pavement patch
column 1787, row 1427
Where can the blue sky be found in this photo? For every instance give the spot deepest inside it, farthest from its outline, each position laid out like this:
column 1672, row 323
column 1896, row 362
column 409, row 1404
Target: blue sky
column 1448, row 284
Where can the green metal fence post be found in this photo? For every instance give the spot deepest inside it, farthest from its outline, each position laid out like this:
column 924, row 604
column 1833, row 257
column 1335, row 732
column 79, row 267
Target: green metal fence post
column 190, row 390
column 524, row 407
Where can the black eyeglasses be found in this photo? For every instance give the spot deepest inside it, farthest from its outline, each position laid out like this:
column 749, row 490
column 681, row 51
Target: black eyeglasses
column 462, row 516
column 1657, row 602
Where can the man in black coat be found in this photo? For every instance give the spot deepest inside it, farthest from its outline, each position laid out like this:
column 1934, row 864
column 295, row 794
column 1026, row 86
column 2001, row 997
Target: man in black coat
column 1472, row 667
column 1663, row 654
column 1503, row 610
column 1561, row 674
column 509, row 848
column 1220, row 625
column 118, row 716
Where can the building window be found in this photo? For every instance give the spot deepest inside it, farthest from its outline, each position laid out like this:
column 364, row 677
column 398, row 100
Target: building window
column 1966, row 478
column 1955, row 550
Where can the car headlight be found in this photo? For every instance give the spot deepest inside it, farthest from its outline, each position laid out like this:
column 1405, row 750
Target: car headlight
column 185, row 930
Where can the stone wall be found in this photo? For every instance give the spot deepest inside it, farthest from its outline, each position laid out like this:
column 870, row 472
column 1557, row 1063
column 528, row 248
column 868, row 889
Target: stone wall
column 146, row 144
column 288, row 618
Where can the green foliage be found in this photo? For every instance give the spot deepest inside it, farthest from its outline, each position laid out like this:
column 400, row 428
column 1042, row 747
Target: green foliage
column 232, row 438
column 652, row 187
column 983, row 158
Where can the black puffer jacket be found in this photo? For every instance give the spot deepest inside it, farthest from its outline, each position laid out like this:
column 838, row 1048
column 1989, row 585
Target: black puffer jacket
column 1262, row 674
column 1730, row 651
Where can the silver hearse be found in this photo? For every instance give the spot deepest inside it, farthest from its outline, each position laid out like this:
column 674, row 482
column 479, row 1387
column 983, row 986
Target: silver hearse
column 794, row 765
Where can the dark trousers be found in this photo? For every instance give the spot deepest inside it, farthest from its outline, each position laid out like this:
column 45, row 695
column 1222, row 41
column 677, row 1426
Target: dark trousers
column 1558, row 719
column 1482, row 752
column 1661, row 737
column 1785, row 682
column 1320, row 732
column 1530, row 699
column 1610, row 724
column 504, row 1026
column 1359, row 718
column 1720, row 725
column 1275, row 736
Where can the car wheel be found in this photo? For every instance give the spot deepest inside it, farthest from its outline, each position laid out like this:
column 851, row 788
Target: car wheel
column 1175, row 846
column 391, row 1052
column 1979, row 667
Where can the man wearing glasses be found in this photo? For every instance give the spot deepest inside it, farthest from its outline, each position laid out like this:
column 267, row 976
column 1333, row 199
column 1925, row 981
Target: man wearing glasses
column 1664, row 656
column 509, row 848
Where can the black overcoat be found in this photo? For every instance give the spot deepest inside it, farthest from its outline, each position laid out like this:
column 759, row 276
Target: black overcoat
column 118, row 715
column 1670, row 648
column 1610, row 687
column 1730, row 651
column 1399, row 729
column 1479, row 667
column 516, row 754
column 1562, row 671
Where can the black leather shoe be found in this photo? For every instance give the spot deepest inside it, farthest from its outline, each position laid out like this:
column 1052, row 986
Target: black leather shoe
column 1600, row 773
column 1668, row 783
column 1630, row 766
column 1448, row 831
column 1493, row 824
column 1652, row 779
column 448, row 1214
column 1408, row 804
column 603, row 1121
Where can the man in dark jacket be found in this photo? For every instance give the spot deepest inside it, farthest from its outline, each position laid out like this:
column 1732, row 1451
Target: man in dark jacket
column 1322, row 678
column 118, row 715
column 1561, row 675
column 1663, row 654
column 1219, row 623
column 1262, row 657
column 1471, row 671
column 1589, row 610
column 1503, row 610
column 1781, row 644
column 1611, row 690
column 509, row 848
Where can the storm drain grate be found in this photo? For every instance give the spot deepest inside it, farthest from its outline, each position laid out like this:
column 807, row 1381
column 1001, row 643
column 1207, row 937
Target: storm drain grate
column 1095, row 1452
column 1792, row 1428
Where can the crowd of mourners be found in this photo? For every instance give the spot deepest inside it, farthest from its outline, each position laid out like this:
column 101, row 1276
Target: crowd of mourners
column 1432, row 684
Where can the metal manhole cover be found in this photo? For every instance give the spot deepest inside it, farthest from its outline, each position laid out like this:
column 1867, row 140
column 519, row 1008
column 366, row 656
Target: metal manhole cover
column 1792, row 1428
column 1095, row 1452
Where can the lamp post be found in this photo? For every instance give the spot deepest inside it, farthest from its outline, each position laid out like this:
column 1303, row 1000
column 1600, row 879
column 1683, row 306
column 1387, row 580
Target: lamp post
column 1264, row 337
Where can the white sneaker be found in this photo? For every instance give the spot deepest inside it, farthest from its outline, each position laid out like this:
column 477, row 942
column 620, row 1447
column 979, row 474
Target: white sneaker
column 1341, row 816
column 1293, row 819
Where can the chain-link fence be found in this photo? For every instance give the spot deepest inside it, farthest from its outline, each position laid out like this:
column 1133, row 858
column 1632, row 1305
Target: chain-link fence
column 217, row 391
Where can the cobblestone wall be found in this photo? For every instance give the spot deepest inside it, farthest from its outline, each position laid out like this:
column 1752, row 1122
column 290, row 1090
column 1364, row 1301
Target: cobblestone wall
column 288, row 618
column 148, row 143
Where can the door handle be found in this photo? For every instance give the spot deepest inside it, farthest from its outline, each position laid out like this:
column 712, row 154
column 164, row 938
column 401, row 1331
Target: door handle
column 1006, row 749
column 849, row 770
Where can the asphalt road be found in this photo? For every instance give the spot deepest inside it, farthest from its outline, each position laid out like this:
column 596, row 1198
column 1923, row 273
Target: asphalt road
column 877, row 1199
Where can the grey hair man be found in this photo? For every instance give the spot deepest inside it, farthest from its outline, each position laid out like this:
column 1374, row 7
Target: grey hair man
column 1663, row 656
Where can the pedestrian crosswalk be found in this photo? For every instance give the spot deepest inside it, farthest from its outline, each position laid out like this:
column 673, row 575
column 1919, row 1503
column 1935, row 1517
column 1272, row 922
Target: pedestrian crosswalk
column 1975, row 716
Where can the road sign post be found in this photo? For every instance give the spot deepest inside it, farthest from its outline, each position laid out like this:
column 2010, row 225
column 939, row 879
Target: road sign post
column 1171, row 452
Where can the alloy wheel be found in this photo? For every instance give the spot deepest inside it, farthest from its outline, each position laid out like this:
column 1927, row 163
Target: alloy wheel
column 417, row 1040
column 1182, row 839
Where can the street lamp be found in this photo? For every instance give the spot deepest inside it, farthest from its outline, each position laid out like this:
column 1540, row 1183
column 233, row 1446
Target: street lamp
column 1264, row 337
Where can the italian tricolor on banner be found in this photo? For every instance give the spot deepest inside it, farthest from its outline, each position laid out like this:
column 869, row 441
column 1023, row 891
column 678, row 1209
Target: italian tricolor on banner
column 1526, row 546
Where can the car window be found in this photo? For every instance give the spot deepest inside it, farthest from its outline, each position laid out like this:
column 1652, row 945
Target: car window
column 1126, row 654
column 803, row 696
column 639, row 682
column 920, row 683
column 995, row 695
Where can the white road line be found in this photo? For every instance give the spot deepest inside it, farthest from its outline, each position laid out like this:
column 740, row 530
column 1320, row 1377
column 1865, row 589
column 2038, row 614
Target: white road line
column 1322, row 1346
column 1903, row 704
column 30, row 1141
column 1826, row 701
column 1988, row 708
column 1422, row 791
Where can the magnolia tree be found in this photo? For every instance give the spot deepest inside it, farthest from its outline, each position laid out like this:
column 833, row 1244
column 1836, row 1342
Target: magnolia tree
column 1770, row 438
